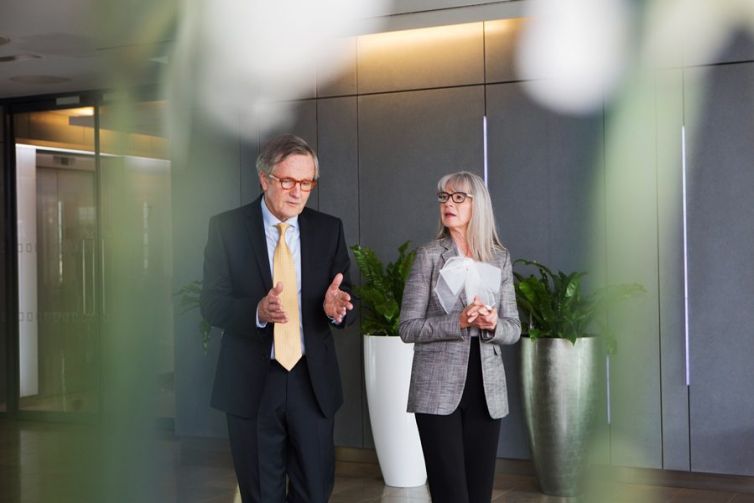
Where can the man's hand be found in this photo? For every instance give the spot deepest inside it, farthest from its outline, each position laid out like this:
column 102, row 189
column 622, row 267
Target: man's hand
column 337, row 302
column 270, row 308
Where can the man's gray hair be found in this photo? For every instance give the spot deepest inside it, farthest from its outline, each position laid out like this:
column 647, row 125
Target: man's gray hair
column 481, row 234
column 277, row 149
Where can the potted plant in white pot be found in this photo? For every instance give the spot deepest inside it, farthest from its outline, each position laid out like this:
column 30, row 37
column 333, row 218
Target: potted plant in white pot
column 387, row 366
column 561, row 370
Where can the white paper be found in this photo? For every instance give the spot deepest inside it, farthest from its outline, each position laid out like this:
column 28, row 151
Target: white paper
column 477, row 279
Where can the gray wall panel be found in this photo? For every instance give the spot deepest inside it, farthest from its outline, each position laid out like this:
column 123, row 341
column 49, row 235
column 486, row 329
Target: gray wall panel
column 575, row 214
column 450, row 56
column 675, row 415
column 721, row 279
column 631, row 257
column 344, row 82
column 249, row 150
column 339, row 196
column 517, row 169
column 4, row 328
column 207, row 184
column 739, row 47
column 423, row 5
column 500, row 39
column 407, row 141
column 541, row 171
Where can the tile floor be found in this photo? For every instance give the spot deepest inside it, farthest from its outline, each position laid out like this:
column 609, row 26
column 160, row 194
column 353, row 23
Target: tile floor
column 56, row 463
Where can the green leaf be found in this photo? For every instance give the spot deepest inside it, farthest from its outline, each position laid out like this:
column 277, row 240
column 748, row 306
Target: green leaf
column 189, row 295
column 381, row 289
column 555, row 305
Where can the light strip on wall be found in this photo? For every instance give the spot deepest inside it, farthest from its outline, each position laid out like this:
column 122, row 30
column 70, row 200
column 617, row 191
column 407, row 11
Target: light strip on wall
column 484, row 139
column 607, row 386
column 685, row 257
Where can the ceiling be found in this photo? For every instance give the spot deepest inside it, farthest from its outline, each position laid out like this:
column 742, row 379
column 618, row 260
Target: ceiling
column 68, row 45
column 58, row 46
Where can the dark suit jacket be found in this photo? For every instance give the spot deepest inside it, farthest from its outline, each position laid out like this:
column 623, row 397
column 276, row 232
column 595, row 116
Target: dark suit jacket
column 236, row 277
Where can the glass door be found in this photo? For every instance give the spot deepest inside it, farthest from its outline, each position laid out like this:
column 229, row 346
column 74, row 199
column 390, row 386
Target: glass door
column 59, row 261
column 94, row 262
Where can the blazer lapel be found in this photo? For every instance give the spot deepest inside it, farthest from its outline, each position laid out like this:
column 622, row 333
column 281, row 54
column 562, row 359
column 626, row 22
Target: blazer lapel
column 451, row 251
column 258, row 240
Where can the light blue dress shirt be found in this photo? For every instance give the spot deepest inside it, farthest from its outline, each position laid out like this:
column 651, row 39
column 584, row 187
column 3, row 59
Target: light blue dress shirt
column 293, row 240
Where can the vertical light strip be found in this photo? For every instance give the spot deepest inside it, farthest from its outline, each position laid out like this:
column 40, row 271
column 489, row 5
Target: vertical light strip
column 60, row 242
column 685, row 257
column 607, row 372
column 484, row 139
column 145, row 229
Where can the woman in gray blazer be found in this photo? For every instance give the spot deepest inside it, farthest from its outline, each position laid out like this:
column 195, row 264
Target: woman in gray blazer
column 458, row 391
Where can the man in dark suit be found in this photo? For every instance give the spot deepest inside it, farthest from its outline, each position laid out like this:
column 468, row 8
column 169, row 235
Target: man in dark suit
column 275, row 281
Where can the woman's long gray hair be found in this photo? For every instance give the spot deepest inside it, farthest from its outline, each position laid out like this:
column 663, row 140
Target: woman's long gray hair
column 481, row 234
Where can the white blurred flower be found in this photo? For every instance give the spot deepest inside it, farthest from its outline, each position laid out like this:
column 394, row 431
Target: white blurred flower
column 693, row 31
column 574, row 51
column 245, row 58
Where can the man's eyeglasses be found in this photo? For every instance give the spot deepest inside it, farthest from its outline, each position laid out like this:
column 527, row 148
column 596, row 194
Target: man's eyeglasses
column 289, row 183
column 456, row 197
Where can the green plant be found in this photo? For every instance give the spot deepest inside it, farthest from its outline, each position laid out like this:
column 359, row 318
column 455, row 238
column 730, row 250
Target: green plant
column 381, row 290
column 556, row 306
column 189, row 295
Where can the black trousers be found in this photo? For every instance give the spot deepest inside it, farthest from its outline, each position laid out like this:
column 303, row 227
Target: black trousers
column 286, row 453
column 460, row 448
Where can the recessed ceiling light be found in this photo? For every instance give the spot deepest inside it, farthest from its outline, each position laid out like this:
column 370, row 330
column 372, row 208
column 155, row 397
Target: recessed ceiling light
column 18, row 57
column 39, row 79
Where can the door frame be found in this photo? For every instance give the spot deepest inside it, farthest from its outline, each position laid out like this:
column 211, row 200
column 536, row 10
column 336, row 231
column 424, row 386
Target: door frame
column 11, row 108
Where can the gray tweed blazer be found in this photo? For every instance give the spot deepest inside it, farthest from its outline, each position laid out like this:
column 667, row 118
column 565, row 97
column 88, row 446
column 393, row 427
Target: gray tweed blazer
column 441, row 347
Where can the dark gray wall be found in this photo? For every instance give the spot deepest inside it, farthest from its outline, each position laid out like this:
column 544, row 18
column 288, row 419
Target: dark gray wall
column 599, row 193
column 631, row 244
column 206, row 181
column 675, row 405
column 721, row 278
column 3, row 274
column 538, row 162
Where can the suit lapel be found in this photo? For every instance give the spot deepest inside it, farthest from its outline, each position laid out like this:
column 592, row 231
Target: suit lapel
column 258, row 240
column 306, row 235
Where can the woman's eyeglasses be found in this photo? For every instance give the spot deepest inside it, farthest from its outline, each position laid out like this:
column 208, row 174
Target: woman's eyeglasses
column 456, row 197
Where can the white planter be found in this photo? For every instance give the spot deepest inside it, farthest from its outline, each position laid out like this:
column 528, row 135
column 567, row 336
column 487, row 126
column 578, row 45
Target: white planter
column 387, row 366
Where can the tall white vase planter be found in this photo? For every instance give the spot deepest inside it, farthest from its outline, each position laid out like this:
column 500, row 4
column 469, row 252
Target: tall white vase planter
column 387, row 366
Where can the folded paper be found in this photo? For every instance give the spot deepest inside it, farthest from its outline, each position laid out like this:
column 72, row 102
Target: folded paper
column 474, row 279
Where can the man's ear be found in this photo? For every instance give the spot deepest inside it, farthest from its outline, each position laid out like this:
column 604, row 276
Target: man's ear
column 263, row 182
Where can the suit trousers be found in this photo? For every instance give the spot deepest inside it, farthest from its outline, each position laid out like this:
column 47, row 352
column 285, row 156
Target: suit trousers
column 288, row 447
column 460, row 448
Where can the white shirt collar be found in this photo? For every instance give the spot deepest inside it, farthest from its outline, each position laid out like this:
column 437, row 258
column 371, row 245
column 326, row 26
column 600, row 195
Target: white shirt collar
column 271, row 220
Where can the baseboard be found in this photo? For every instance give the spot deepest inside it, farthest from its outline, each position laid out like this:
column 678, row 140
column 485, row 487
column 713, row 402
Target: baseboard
column 688, row 480
column 362, row 462
column 357, row 462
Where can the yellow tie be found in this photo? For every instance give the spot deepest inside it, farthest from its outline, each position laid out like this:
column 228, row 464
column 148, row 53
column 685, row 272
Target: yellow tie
column 287, row 335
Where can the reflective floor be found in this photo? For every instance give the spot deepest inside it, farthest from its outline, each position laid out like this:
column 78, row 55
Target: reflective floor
column 47, row 462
